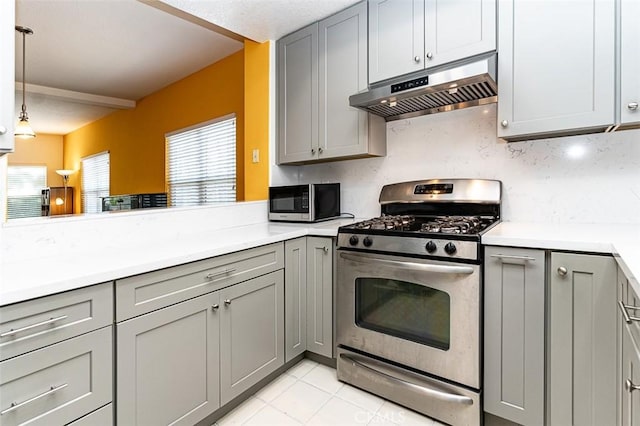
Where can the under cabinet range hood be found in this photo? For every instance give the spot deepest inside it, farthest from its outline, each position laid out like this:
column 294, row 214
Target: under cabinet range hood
column 431, row 91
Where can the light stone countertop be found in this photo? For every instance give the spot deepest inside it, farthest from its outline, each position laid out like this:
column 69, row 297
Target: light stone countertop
column 25, row 279
column 28, row 278
column 620, row 240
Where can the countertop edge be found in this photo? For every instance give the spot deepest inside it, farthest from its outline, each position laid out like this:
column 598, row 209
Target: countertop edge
column 246, row 237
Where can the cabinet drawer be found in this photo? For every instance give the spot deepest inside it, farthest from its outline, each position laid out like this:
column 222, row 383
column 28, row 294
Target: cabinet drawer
column 148, row 292
column 100, row 417
column 59, row 383
column 40, row 322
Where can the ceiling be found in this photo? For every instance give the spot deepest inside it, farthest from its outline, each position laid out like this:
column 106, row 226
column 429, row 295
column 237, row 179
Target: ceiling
column 104, row 52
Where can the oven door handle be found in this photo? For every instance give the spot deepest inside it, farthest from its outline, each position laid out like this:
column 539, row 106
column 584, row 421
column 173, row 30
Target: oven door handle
column 440, row 269
column 424, row 389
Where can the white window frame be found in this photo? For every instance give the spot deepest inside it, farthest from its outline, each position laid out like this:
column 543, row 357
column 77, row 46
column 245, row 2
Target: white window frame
column 201, row 163
column 95, row 183
column 28, row 194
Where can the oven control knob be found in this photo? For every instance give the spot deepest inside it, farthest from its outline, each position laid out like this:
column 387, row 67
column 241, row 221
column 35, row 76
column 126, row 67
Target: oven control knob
column 367, row 242
column 431, row 247
column 353, row 240
column 450, row 248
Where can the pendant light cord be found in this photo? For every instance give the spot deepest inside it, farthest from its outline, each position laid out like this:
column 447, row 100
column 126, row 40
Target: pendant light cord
column 24, row 55
column 24, row 31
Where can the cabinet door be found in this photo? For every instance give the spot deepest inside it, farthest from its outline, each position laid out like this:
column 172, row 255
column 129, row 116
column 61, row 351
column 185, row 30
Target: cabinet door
column 298, row 96
column 630, row 414
column 621, row 296
column 320, row 296
column 556, row 67
column 514, row 334
column 342, row 73
column 7, row 76
column 582, row 341
column 630, row 61
column 396, row 38
column 167, row 364
column 458, row 29
column 59, row 383
column 251, row 333
column 295, row 297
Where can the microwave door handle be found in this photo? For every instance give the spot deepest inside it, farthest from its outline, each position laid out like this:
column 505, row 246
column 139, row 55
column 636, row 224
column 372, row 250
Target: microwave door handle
column 440, row 269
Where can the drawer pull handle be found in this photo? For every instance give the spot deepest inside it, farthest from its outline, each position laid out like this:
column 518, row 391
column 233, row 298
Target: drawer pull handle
column 623, row 308
column 16, row 405
column 630, row 386
column 29, row 327
column 227, row 302
column 513, row 257
column 219, row 273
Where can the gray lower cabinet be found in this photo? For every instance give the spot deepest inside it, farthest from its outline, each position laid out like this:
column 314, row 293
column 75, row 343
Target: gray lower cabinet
column 309, row 296
column 630, row 377
column 295, row 297
column 251, row 333
column 168, row 364
column 514, row 289
column 320, row 296
column 582, row 342
column 59, row 383
column 101, row 417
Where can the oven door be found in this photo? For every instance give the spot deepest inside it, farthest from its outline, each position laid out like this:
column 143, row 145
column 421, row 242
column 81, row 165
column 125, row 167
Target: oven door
column 419, row 313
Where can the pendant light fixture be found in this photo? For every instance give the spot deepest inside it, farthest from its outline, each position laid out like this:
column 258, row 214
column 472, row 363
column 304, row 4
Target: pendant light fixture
column 23, row 129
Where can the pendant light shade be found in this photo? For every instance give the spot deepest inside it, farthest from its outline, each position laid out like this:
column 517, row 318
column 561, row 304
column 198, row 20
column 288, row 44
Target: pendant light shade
column 23, row 129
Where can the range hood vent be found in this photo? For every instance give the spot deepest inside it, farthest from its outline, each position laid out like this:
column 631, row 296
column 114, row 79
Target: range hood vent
column 430, row 92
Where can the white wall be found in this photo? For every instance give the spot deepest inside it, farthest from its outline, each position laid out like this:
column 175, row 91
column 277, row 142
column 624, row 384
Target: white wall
column 581, row 179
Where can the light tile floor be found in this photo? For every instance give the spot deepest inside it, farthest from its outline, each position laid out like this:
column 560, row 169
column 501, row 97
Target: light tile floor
column 309, row 394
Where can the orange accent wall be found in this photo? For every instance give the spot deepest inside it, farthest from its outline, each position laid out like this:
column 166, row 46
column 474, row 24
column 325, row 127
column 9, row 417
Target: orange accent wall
column 135, row 138
column 256, row 112
column 43, row 150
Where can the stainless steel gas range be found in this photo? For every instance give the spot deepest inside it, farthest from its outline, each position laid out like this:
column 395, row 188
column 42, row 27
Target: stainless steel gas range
column 409, row 296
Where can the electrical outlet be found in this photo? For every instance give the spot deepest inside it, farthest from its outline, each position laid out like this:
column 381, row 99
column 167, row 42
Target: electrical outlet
column 256, row 155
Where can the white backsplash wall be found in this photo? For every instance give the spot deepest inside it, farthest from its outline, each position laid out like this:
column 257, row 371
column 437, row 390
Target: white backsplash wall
column 581, row 179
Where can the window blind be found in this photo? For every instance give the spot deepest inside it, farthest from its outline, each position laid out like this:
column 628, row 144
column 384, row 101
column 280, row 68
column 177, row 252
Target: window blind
column 95, row 181
column 201, row 164
column 24, row 190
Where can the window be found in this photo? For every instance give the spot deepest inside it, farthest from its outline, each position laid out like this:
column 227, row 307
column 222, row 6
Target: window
column 24, row 190
column 95, row 181
column 201, row 163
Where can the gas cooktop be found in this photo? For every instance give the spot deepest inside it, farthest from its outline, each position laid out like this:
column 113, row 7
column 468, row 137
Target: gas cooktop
column 466, row 225
column 440, row 218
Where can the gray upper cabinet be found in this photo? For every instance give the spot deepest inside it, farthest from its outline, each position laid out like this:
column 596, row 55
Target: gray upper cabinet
column 396, row 38
column 319, row 67
column 320, row 296
column 251, row 333
column 556, row 67
column 295, row 297
column 582, row 340
column 298, row 95
column 630, row 62
column 410, row 35
column 514, row 334
column 168, row 364
column 346, row 132
column 7, row 77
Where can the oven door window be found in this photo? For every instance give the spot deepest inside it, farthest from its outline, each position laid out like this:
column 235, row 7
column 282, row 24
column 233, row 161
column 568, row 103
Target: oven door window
column 405, row 310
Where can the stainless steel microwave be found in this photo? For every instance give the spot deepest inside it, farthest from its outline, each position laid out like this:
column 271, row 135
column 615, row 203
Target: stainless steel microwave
column 304, row 203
